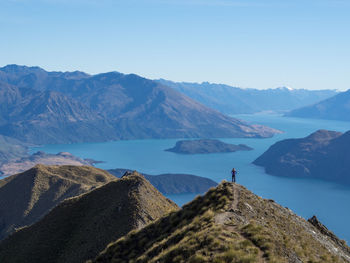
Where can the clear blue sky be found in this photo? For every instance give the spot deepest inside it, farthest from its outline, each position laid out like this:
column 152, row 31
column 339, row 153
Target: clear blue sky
column 247, row 43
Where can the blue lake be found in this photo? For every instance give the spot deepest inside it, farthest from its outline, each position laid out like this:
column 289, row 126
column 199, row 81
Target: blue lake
column 305, row 197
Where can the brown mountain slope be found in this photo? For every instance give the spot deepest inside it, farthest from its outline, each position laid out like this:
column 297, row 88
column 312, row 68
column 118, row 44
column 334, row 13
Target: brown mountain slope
column 28, row 196
column 80, row 227
column 228, row 224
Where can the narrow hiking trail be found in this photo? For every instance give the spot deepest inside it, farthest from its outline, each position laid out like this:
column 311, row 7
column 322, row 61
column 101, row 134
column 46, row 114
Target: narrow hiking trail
column 232, row 220
column 235, row 190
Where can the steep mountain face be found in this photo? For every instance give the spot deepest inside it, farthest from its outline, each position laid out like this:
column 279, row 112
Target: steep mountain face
column 27, row 197
column 174, row 183
column 204, row 146
column 80, row 227
column 234, row 100
column 56, row 107
column 49, row 117
column 323, row 154
column 334, row 108
column 229, row 224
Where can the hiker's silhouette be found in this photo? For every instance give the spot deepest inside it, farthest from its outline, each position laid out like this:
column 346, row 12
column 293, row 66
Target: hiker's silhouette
column 234, row 173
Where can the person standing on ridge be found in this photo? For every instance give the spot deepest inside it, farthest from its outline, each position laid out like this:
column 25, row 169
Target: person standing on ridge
column 233, row 172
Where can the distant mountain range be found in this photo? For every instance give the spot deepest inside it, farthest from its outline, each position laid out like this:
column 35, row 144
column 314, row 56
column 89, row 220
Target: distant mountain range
column 11, row 148
column 323, row 154
column 234, row 100
column 18, row 165
column 334, row 108
column 62, row 107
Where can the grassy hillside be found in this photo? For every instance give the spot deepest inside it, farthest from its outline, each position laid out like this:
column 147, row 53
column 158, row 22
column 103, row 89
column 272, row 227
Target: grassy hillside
column 228, row 224
column 80, row 227
column 28, row 196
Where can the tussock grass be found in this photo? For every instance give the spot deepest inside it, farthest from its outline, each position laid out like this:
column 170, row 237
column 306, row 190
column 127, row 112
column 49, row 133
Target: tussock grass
column 260, row 231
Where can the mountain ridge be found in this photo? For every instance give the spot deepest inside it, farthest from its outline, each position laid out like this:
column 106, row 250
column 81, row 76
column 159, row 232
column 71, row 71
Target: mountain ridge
column 235, row 100
column 106, row 106
column 26, row 197
column 228, row 224
column 80, row 227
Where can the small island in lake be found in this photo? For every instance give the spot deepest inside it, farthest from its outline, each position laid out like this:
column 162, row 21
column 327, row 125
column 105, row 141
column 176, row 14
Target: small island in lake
column 206, row 146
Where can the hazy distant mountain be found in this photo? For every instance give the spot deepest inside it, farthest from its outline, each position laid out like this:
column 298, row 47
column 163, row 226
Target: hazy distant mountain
column 22, row 164
column 11, row 149
column 57, row 107
column 79, row 228
column 334, row 108
column 27, row 197
column 234, row 100
column 323, row 154
column 174, row 183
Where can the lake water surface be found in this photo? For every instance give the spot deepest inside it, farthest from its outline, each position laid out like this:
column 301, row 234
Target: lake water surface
column 330, row 202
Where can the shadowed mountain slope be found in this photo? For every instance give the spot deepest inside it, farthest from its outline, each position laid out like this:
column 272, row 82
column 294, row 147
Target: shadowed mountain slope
column 228, row 224
column 68, row 108
column 174, row 183
column 80, row 227
column 334, row 108
column 27, row 197
column 323, row 154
